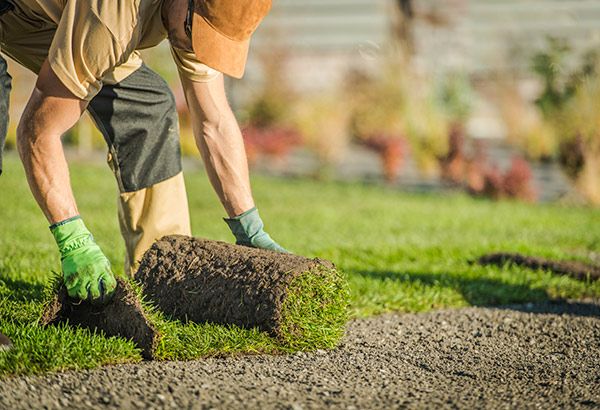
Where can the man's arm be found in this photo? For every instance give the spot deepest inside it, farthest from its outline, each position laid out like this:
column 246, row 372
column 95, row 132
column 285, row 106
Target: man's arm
column 51, row 111
column 220, row 142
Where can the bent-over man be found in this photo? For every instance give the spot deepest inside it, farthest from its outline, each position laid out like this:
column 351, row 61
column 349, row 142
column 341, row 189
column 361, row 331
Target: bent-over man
column 86, row 55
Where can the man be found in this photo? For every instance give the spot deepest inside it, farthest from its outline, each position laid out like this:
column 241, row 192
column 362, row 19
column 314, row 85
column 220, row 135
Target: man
column 86, row 56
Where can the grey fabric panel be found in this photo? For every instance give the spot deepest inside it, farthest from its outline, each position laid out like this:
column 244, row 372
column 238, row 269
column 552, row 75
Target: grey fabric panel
column 5, row 87
column 138, row 119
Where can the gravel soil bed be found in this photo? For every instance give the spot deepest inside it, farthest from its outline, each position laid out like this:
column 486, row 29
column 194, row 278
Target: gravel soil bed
column 526, row 356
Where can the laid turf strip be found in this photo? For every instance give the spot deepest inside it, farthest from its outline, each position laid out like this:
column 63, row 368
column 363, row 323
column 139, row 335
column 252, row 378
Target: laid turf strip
column 577, row 270
column 301, row 302
column 123, row 316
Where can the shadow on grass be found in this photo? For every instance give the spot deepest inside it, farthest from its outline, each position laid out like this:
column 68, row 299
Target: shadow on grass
column 20, row 290
column 491, row 292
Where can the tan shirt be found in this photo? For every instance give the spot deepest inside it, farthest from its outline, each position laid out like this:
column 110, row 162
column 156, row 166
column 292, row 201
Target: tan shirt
column 90, row 42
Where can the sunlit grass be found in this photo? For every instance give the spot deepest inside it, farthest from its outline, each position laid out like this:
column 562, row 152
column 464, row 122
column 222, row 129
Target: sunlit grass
column 401, row 252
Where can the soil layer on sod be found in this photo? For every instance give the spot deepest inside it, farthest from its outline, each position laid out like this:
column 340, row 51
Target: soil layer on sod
column 301, row 302
column 575, row 269
column 524, row 356
column 123, row 316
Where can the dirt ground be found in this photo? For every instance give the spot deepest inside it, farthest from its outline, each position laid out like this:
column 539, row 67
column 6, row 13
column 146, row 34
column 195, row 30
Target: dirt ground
column 529, row 356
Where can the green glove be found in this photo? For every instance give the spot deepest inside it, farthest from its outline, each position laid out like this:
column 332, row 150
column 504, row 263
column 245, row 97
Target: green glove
column 248, row 230
column 85, row 269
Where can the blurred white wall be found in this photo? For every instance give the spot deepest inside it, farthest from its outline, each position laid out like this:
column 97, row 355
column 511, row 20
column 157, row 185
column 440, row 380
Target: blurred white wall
column 321, row 38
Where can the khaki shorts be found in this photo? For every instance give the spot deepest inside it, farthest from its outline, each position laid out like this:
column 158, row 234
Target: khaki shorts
column 138, row 119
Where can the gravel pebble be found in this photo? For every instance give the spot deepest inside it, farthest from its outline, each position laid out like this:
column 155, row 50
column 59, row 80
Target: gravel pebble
column 528, row 356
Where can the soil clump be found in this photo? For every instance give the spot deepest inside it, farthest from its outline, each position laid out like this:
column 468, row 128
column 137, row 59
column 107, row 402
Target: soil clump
column 122, row 316
column 574, row 269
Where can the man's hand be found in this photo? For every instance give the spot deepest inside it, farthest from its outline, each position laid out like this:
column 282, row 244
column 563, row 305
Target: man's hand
column 86, row 270
column 248, row 230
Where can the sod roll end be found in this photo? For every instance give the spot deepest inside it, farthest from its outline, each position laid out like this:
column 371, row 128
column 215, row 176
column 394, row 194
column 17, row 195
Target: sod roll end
column 301, row 302
column 122, row 316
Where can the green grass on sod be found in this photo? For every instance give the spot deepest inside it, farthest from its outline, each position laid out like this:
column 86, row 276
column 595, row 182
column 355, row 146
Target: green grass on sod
column 401, row 252
column 315, row 311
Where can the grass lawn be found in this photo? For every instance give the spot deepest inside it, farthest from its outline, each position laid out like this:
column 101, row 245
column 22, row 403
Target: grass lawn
column 401, row 252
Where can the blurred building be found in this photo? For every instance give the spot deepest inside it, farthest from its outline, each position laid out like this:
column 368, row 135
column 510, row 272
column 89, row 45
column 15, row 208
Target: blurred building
column 316, row 42
column 321, row 39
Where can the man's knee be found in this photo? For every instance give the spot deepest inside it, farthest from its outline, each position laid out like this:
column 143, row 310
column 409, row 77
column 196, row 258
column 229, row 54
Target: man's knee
column 151, row 213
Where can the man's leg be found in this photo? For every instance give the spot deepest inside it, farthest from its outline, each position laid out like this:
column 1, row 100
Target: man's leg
column 5, row 87
column 139, row 122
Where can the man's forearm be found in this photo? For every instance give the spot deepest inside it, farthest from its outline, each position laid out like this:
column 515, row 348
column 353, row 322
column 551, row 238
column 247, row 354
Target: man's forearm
column 47, row 173
column 50, row 112
column 222, row 149
column 220, row 142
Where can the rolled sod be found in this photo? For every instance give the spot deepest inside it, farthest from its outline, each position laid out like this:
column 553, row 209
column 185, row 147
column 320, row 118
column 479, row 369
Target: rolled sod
column 123, row 316
column 302, row 302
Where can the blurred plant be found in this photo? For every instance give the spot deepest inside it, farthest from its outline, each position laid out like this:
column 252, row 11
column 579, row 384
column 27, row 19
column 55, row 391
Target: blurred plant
column 395, row 109
column 454, row 96
column 580, row 151
column 475, row 172
column 526, row 128
column 559, row 78
column 379, row 111
column 428, row 131
column 566, row 123
column 392, row 152
column 270, row 107
column 551, row 67
column 571, row 156
column 268, row 116
column 537, row 132
column 322, row 123
column 570, row 103
column 489, row 181
column 453, row 165
column 492, row 183
column 516, row 182
column 380, row 103
column 274, row 141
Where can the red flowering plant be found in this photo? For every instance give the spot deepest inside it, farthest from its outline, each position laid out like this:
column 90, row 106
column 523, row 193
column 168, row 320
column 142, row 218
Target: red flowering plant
column 378, row 120
column 268, row 128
